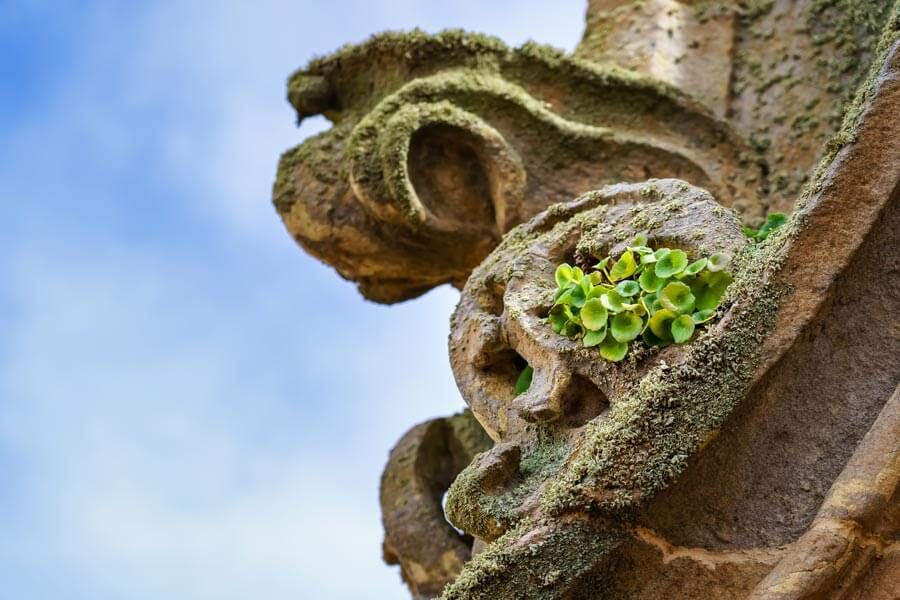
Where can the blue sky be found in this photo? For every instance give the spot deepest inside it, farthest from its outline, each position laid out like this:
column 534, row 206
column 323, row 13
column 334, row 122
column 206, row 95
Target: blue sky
column 190, row 407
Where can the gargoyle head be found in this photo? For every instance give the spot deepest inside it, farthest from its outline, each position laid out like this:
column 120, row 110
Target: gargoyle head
column 441, row 144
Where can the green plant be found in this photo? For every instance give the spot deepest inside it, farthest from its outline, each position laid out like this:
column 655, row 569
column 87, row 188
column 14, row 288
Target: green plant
column 657, row 296
column 774, row 220
column 523, row 382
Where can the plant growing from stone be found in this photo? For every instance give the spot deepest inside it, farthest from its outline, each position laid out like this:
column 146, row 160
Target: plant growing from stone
column 523, row 382
column 774, row 220
column 657, row 295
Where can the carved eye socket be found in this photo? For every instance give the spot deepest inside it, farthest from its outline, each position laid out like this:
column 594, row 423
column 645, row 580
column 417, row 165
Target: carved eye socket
column 502, row 372
column 582, row 402
column 448, row 174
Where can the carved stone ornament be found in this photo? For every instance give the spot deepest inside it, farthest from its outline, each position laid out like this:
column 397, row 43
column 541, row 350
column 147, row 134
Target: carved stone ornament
column 761, row 460
column 443, row 143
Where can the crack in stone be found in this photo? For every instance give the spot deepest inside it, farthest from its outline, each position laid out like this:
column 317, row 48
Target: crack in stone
column 709, row 559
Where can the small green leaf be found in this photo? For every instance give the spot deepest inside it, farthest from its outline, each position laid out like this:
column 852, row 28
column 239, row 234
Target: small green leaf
column 695, row 267
column 564, row 275
column 602, row 264
column 597, row 291
column 612, row 350
column 682, row 329
column 646, row 259
column 586, row 288
column 562, row 315
column 594, row 315
column 626, row 326
column 564, row 295
column 774, row 220
column 677, row 297
column 661, row 253
column 613, row 301
column 709, row 288
column 592, row 338
column 718, row 261
column 623, row 268
column 524, row 380
column 649, row 282
column 586, row 284
column 702, row 316
column 642, row 250
column 578, row 297
column 639, row 240
column 670, row 264
column 574, row 315
column 651, row 301
column 661, row 323
column 628, row 288
column 558, row 318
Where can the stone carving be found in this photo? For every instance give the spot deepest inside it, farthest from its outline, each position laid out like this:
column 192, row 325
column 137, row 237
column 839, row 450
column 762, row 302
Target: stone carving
column 421, row 467
column 651, row 498
column 762, row 460
column 442, row 144
column 590, row 440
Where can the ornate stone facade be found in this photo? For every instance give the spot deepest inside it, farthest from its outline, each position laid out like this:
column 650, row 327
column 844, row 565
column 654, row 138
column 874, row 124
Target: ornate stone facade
column 761, row 460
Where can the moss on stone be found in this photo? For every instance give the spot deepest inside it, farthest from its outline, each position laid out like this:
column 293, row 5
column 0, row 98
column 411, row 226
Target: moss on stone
column 649, row 435
column 676, row 408
column 852, row 114
column 581, row 222
column 544, row 570
column 502, row 512
column 822, row 65
column 469, row 433
column 398, row 58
